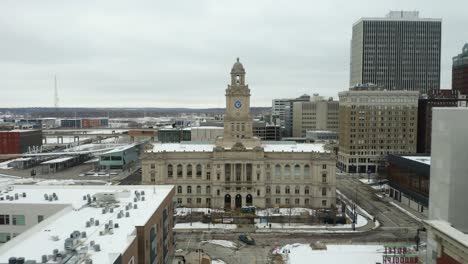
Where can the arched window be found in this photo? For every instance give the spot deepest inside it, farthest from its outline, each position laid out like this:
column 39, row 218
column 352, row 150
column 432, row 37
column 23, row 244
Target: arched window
column 189, row 189
column 307, row 171
column 278, row 190
column 297, row 170
column 287, row 171
column 297, row 190
column 268, row 189
column 198, row 189
column 179, row 170
column 208, row 189
column 189, row 170
column 287, row 190
column 278, row 170
column 199, row 170
column 170, row 170
column 179, row 189
column 306, row 190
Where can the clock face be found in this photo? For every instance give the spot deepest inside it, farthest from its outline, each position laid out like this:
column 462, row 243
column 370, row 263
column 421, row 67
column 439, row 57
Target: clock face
column 237, row 104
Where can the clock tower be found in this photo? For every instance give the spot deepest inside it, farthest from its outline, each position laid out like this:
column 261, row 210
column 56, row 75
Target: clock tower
column 237, row 120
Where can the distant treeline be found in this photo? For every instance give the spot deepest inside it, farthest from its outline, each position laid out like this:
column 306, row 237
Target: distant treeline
column 40, row 112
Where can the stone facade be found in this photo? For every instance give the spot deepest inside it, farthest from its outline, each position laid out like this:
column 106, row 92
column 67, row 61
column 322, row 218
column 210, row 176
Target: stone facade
column 374, row 123
column 239, row 169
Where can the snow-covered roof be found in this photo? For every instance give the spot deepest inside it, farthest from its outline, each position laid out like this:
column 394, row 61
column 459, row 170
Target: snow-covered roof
column 58, row 160
column 294, row 147
column 19, row 130
column 209, row 127
column 422, row 159
column 41, row 239
column 445, row 228
column 119, row 149
column 268, row 147
column 181, row 147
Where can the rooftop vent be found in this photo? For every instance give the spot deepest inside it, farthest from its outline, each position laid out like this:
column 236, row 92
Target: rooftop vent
column 97, row 248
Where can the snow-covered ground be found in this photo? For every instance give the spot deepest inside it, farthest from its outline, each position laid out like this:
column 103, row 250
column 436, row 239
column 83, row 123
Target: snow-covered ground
column 217, row 261
column 183, row 211
column 4, row 165
column 200, row 225
column 350, row 254
column 223, row 243
column 361, row 221
column 285, row 211
column 366, row 181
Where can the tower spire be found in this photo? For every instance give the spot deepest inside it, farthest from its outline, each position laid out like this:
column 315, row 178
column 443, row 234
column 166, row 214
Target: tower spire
column 56, row 98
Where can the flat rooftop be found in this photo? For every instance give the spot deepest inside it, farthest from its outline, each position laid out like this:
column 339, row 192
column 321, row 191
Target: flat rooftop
column 421, row 159
column 268, row 147
column 50, row 234
column 447, row 229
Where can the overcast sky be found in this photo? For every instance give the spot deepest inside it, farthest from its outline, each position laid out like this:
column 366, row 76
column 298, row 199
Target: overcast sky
column 179, row 53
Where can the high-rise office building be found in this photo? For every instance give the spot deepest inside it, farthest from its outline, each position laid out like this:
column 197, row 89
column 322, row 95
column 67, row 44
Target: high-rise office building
column 282, row 110
column 398, row 52
column 460, row 71
column 441, row 98
column 317, row 114
column 373, row 123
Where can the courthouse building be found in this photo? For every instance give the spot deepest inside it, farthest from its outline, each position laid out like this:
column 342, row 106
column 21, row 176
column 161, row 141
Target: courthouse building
column 239, row 169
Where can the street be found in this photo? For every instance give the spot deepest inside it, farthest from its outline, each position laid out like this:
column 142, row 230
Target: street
column 396, row 227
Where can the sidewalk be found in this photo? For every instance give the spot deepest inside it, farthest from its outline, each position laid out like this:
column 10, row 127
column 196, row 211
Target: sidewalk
column 405, row 208
column 401, row 206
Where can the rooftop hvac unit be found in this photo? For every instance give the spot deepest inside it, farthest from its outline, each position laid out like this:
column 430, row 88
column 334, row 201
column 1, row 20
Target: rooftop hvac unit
column 105, row 197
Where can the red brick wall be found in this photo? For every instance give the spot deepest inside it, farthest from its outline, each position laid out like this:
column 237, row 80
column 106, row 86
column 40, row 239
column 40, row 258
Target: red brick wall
column 460, row 80
column 9, row 143
column 446, row 259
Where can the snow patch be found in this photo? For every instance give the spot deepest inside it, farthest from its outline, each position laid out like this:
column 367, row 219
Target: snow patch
column 223, row 243
column 350, row 254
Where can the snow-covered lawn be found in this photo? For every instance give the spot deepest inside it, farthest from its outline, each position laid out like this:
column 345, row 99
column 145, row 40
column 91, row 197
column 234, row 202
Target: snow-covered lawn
column 223, row 243
column 361, row 221
column 183, row 211
column 200, row 225
column 284, row 211
column 350, row 254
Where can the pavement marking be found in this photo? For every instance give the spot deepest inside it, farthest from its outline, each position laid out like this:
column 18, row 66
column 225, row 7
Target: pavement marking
column 188, row 242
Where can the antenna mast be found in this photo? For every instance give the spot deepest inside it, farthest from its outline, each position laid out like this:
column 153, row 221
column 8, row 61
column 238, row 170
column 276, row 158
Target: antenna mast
column 56, row 98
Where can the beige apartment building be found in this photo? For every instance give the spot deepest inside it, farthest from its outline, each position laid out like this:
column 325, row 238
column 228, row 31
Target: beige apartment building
column 373, row 123
column 238, row 169
column 103, row 224
column 317, row 114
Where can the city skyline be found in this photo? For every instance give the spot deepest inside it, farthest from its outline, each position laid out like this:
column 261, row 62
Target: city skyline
column 147, row 56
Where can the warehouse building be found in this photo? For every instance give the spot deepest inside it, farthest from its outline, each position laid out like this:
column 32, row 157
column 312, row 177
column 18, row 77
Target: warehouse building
column 19, row 141
column 120, row 158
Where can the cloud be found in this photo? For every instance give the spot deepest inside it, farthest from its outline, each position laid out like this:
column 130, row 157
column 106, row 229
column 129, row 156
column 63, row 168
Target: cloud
column 179, row 53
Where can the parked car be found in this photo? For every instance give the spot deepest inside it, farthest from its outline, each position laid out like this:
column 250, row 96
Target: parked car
column 247, row 239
